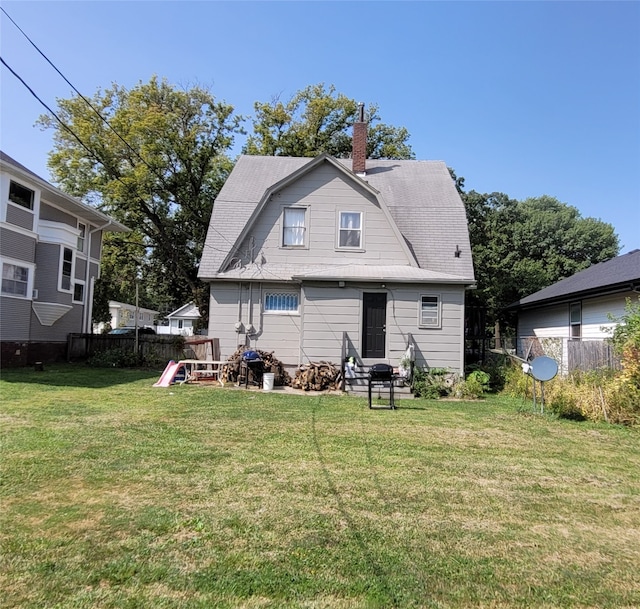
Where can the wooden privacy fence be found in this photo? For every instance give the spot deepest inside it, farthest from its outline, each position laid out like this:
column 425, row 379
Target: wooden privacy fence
column 591, row 355
column 571, row 354
column 150, row 347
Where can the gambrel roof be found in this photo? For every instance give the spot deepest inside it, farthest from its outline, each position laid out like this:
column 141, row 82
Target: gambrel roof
column 420, row 198
column 619, row 274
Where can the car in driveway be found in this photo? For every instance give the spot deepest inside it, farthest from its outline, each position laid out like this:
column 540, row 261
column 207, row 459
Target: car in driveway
column 132, row 331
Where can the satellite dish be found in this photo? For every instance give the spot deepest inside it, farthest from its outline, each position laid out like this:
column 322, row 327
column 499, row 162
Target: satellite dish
column 543, row 368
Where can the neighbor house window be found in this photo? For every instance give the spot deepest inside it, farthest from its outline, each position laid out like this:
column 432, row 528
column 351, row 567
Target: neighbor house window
column 21, row 195
column 78, row 292
column 81, row 237
column 350, row 229
column 15, row 280
column 429, row 313
column 293, row 222
column 575, row 320
column 284, row 302
column 66, row 269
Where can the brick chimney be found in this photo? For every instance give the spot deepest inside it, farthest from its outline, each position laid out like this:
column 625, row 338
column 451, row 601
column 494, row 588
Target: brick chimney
column 359, row 153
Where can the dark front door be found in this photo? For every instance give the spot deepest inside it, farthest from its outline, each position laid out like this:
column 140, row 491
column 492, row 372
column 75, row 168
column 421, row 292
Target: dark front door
column 374, row 324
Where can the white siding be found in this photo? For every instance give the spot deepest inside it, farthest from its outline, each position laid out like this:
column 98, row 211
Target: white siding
column 553, row 322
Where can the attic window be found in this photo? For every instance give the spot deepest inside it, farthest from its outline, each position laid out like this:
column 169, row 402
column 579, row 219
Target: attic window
column 293, row 226
column 350, row 229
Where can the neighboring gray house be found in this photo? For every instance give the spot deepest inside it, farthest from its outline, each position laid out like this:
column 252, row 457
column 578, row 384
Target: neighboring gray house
column 578, row 308
column 306, row 255
column 50, row 247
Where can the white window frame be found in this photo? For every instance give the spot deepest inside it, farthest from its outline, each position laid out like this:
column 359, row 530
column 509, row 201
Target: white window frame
column 32, row 209
column 78, row 283
column 30, row 277
column 82, row 237
column 575, row 326
column 438, row 322
column 280, row 311
column 339, row 229
column 61, row 274
column 305, row 228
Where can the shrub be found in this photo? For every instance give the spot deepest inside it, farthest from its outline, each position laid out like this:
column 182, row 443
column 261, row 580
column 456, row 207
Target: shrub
column 474, row 386
column 114, row 358
column 432, row 383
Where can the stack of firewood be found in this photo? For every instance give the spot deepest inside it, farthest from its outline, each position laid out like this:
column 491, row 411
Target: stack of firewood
column 231, row 369
column 317, row 376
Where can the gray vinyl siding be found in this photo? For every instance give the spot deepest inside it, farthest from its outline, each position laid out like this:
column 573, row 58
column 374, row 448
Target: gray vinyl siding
column 279, row 333
column 96, row 244
column 435, row 347
column 16, row 245
column 71, row 321
column 81, row 268
column 47, row 271
column 14, row 321
column 330, row 311
column 223, row 314
column 20, row 216
column 324, row 192
column 52, row 214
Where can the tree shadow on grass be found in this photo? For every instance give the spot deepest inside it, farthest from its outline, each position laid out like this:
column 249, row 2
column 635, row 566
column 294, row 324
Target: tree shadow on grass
column 78, row 375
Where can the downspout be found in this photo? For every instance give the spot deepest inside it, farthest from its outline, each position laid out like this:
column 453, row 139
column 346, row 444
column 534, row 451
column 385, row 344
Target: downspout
column 88, row 307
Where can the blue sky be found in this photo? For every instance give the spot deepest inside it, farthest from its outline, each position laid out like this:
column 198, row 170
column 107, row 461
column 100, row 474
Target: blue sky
column 525, row 98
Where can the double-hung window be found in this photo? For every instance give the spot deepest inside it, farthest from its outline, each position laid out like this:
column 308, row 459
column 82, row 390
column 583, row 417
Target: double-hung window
column 575, row 319
column 350, row 229
column 66, row 269
column 78, row 292
column 15, row 280
column 281, row 302
column 81, row 237
column 294, row 227
column 429, row 311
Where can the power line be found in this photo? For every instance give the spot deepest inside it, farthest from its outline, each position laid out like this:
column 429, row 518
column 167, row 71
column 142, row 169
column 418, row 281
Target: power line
column 102, row 118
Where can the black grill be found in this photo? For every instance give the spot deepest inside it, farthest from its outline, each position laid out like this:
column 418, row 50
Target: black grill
column 381, row 372
column 382, row 375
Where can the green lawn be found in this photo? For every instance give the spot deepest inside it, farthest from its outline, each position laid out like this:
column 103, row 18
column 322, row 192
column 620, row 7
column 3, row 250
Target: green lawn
column 117, row 494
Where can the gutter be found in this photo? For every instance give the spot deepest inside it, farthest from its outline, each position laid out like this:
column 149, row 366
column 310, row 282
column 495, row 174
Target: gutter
column 88, row 285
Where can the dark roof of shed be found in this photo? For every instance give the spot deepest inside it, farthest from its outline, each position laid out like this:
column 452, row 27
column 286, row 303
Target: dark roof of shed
column 622, row 272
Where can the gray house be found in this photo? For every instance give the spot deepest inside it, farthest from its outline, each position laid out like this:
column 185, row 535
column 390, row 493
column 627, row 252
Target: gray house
column 50, row 247
column 565, row 317
column 316, row 258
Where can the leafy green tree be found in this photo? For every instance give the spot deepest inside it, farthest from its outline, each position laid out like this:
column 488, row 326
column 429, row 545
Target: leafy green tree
column 520, row 247
column 317, row 119
column 154, row 157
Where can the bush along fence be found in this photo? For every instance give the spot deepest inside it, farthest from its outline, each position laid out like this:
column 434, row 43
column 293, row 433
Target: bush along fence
column 120, row 351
